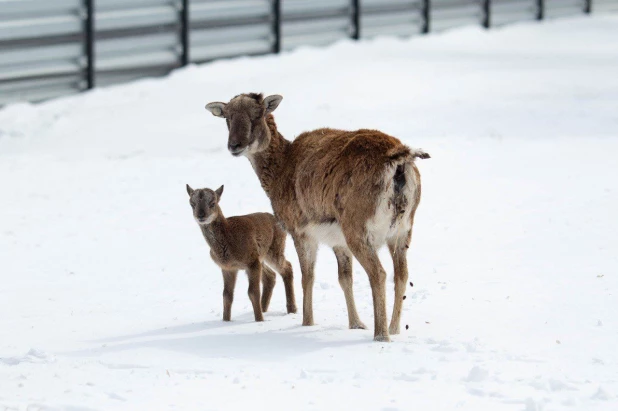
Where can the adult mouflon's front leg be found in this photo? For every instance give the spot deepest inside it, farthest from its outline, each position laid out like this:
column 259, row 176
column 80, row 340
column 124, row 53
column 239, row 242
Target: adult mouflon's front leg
column 306, row 249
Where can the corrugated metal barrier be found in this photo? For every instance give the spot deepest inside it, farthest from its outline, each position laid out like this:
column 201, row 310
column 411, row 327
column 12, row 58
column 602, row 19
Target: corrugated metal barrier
column 50, row 48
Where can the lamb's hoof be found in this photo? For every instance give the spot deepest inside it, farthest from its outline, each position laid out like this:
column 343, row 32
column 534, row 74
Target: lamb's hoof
column 358, row 325
column 382, row 338
column 393, row 330
column 292, row 309
column 307, row 323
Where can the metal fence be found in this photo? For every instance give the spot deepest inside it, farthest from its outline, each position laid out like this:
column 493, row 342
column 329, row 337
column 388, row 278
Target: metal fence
column 50, row 48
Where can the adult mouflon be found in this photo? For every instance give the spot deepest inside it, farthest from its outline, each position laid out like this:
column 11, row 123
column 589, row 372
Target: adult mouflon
column 244, row 242
column 352, row 190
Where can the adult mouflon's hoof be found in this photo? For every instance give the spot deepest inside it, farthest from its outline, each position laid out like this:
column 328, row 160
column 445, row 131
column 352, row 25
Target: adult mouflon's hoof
column 382, row 338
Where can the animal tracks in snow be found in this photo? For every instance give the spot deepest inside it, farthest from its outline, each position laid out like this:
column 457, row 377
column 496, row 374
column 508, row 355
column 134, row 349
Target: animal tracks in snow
column 32, row 356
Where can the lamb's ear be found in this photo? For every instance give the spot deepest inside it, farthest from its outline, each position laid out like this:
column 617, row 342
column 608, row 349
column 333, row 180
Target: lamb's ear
column 219, row 191
column 272, row 102
column 216, row 108
column 189, row 190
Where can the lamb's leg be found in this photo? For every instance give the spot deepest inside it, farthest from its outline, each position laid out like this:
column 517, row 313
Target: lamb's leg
column 306, row 250
column 269, row 278
column 284, row 268
column 229, row 281
column 254, row 272
column 398, row 247
column 344, row 263
column 367, row 256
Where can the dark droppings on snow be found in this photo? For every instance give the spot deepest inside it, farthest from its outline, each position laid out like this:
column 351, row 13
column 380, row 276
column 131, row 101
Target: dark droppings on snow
column 411, row 285
column 407, row 326
column 404, row 297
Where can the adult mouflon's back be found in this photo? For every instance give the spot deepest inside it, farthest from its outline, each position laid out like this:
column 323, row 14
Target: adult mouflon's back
column 353, row 190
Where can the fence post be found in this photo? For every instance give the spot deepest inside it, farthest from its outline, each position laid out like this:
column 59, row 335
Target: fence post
column 89, row 42
column 588, row 7
column 486, row 13
column 184, row 32
column 276, row 25
column 355, row 19
column 540, row 9
column 425, row 10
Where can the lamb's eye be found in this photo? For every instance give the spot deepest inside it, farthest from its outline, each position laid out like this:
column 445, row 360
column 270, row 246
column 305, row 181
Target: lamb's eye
column 212, row 205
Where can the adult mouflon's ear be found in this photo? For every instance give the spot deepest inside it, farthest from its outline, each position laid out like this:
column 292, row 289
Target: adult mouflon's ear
column 219, row 191
column 216, row 108
column 272, row 102
column 189, row 189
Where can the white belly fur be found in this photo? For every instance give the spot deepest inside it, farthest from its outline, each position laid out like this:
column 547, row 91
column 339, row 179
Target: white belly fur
column 329, row 234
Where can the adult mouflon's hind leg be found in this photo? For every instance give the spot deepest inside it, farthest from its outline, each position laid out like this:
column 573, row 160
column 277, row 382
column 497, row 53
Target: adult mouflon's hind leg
column 367, row 256
column 398, row 247
column 346, row 280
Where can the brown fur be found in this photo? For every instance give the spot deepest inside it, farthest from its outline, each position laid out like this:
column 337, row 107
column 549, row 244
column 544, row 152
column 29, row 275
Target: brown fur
column 329, row 179
column 244, row 243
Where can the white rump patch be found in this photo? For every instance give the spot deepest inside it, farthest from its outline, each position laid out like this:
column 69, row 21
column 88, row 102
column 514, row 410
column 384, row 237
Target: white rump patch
column 379, row 227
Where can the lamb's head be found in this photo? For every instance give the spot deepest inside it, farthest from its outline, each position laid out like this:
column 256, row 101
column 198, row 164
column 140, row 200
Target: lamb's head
column 245, row 116
column 205, row 204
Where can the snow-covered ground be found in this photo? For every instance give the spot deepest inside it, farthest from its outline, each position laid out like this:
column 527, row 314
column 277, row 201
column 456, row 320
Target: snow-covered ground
column 109, row 301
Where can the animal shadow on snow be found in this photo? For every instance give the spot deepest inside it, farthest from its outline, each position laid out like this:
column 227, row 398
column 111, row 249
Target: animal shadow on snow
column 230, row 342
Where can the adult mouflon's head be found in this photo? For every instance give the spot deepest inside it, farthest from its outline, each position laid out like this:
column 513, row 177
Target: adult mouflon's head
column 245, row 116
column 204, row 202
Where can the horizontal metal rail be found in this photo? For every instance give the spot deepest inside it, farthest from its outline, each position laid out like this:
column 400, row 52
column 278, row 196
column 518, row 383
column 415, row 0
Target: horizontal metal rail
column 57, row 47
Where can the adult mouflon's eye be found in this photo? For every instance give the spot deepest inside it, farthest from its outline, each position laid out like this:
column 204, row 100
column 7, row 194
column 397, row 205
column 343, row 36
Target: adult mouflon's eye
column 212, row 205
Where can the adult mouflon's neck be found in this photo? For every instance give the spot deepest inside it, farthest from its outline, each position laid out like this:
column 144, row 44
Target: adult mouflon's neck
column 269, row 163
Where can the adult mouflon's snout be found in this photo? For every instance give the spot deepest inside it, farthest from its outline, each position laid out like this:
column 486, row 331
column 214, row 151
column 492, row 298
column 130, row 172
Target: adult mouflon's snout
column 235, row 147
column 240, row 134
